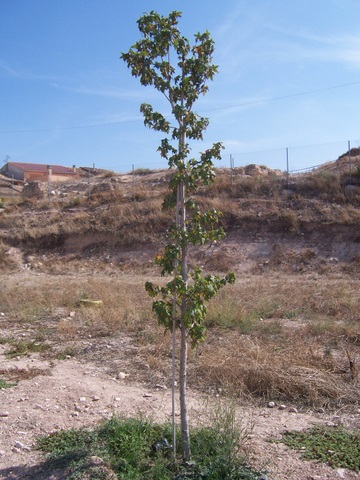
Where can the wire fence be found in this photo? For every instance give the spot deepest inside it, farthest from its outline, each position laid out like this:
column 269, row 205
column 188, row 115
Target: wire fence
column 293, row 159
column 290, row 160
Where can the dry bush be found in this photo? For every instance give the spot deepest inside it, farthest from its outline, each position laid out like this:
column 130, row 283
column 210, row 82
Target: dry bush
column 322, row 184
column 246, row 367
column 7, row 261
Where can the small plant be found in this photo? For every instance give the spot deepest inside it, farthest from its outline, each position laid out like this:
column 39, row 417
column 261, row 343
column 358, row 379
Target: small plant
column 138, row 449
column 5, row 384
column 336, row 446
column 24, row 347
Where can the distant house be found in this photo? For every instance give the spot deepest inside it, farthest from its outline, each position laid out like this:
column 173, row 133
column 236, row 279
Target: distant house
column 29, row 172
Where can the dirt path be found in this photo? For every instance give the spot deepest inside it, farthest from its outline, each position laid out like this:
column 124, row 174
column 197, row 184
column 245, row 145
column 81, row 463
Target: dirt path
column 73, row 394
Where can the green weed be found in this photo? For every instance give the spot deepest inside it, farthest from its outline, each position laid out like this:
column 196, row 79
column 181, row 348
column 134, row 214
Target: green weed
column 336, row 446
column 128, row 448
column 25, row 347
column 5, row 384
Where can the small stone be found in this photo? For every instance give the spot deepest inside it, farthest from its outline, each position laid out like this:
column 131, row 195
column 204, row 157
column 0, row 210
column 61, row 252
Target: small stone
column 4, row 414
column 122, row 375
column 94, row 460
column 77, row 408
column 282, row 407
column 95, row 398
column 341, row 472
column 162, row 387
column 39, row 407
column 271, row 404
column 293, row 410
column 2, row 314
column 330, row 424
column 72, row 314
column 321, row 410
column 75, row 414
column 18, row 444
column 82, row 399
column 117, row 399
column 147, row 395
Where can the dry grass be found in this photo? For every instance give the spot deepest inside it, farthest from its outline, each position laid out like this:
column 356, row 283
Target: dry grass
column 248, row 367
column 288, row 329
column 291, row 338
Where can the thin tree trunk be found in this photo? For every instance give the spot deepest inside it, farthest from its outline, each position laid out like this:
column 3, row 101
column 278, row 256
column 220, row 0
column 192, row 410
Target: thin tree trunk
column 174, row 321
column 185, row 435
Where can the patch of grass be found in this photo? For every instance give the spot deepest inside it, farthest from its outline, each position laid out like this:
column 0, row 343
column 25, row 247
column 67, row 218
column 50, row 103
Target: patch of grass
column 333, row 445
column 137, row 449
column 25, row 347
column 5, row 384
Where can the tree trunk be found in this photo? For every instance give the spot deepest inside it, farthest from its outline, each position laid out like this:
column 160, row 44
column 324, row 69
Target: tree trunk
column 185, row 435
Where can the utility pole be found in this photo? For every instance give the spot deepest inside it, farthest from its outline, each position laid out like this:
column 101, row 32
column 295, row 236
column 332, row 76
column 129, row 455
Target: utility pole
column 89, row 184
column 232, row 165
column 349, row 157
column 49, row 175
column 133, row 181
column 287, row 167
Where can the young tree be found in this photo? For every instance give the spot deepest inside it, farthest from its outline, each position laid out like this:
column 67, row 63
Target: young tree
column 165, row 59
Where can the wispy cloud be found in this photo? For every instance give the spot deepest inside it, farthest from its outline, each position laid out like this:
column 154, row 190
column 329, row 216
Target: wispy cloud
column 251, row 35
column 308, row 46
column 23, row 74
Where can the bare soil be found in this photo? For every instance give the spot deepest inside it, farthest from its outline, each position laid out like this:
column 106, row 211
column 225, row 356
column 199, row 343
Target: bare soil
column 71, row 394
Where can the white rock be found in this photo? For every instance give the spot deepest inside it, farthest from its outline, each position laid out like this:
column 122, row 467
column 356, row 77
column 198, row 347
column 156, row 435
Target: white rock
column 82, row 399
column 4, row 414
column 95, row 398
column 94, row 460
column 271, row 404
column 293, row 410
column 122, row 375
column 282, row 407
column 18, row 444
column 162, row 387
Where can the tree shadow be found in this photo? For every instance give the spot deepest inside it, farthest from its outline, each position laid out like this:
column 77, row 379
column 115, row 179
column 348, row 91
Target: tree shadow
column 56, row 468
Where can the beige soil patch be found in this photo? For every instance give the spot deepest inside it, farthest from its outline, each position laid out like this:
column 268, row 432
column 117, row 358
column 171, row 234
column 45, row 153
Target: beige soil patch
column 73, row 394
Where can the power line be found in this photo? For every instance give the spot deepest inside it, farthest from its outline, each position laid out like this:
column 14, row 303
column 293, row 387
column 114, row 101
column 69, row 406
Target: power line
column 228, row 107
column 292, row 95
column 293, row 146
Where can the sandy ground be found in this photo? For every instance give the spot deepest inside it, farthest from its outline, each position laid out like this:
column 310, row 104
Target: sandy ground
column 72, row 394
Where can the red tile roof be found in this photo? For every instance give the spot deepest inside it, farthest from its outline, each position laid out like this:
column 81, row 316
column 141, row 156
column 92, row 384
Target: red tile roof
column 43, row 168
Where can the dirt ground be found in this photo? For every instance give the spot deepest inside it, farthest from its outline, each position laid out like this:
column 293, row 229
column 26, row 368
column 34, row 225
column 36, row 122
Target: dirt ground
column 72, row 394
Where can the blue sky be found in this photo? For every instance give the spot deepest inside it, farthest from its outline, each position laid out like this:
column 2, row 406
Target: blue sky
column 289, row 76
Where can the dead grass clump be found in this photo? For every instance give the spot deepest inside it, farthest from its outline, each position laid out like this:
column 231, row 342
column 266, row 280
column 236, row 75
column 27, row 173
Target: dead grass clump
column 325, row 185
column 18, row 374
column 8, row 261
column 246, row 368
column 291, row 260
